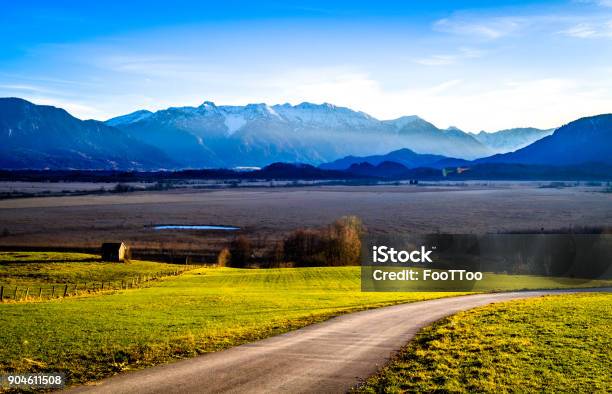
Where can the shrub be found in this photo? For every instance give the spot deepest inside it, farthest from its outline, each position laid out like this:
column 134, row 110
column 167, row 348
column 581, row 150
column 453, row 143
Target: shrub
column 223, row 258
column 275, row 256
column 346, row 236
column 240, row 251
column 334, row 245
column 122, row 188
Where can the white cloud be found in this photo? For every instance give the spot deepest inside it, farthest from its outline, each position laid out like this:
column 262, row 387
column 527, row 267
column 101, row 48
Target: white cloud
column 437, row 60
column 75, row 108
column 590, row 30
column 449, row 59
column 483, row 27
column 536, row 25
column 601, row 3
column 582, row 30
column 20, row 88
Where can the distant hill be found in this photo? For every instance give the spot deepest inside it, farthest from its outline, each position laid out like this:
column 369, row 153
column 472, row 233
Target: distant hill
column 509, row 140
column 294, row 171
column 486, row 171
column 586, row 140
column 404, row 156
column 39, row 137
column 385, row 169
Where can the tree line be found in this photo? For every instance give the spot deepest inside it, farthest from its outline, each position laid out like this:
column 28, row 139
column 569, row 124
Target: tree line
column 336, row 244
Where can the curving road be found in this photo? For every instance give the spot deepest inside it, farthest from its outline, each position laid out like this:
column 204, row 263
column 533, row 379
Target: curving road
column 329, row 357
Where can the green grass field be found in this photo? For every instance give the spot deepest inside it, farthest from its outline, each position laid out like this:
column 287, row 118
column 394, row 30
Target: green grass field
column 548, row 344
column 202, row 310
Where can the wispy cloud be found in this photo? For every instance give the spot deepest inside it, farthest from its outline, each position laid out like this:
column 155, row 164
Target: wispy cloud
column 449, row 59
column 75, row 108
column 601, row 29
column 483, row 27
column 582, row 30
column 601, row 3
column 437, row 60
column 27, row 88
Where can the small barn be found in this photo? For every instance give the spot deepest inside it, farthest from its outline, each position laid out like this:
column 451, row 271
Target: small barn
column 115, row 251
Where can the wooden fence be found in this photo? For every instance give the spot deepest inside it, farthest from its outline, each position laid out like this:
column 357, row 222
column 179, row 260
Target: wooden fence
column 14, row 293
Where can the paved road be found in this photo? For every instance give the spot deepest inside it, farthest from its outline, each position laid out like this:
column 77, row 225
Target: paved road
column 328, row 357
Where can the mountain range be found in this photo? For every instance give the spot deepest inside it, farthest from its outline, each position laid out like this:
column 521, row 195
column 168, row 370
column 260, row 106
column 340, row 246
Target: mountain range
column 586, row 141
column 258, row 134
column 405, row 157
column 512, row 139
column 211, row 136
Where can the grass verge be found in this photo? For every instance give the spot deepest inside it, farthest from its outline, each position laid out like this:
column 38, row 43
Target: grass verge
column 547, row 344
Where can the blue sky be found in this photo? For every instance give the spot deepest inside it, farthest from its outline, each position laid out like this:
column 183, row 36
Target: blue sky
column 470, row 64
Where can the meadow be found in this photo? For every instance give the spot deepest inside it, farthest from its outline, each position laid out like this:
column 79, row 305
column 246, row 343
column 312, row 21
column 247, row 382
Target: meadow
column 550, row 344
column 202, row 310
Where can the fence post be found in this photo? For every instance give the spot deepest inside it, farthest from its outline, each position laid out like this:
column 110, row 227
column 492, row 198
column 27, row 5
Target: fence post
column 1, row 293
column 65, row 290
column 52, row 291
column 39, row 293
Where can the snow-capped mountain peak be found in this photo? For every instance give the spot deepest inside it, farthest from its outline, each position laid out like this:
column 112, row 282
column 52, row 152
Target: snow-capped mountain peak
column 325, row 115
column 402, row 121
column 208, row 105
column 261, row 109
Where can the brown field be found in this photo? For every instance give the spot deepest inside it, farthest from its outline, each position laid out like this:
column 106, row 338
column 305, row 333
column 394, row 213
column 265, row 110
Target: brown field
column 266, row 214
column 56, row 187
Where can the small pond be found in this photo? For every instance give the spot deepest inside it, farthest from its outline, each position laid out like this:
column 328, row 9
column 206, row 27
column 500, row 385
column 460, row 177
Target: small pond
column 194, row 227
